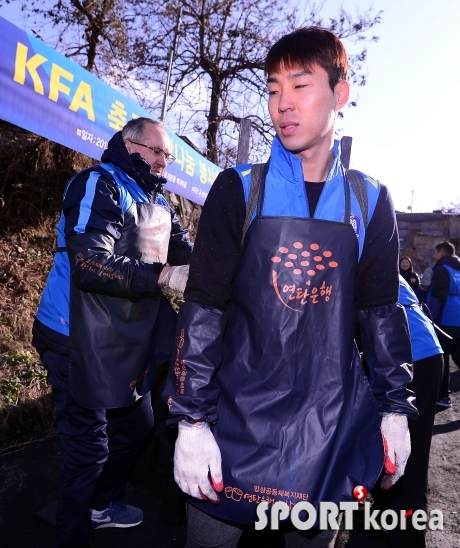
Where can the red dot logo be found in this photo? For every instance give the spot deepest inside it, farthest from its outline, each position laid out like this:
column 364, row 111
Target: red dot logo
column 360, row 493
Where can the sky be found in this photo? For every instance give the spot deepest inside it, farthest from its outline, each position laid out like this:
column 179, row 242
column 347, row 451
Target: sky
column 406, row 126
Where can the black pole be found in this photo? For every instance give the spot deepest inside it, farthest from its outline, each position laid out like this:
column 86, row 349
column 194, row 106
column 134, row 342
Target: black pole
column 243, row 142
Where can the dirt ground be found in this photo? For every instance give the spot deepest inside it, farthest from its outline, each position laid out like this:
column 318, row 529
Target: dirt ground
column 444, row 475
column 28, row 480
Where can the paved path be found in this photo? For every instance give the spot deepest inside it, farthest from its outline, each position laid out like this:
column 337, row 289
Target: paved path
column 444, row 476
column 444, row 479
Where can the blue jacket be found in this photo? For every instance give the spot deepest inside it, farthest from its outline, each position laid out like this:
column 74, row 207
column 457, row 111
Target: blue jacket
column 384, row 328
column 424, row 340
column 451, row 312
column 95, row 201
column 102, row 299
column 281, row 378
column 53, row 310
column 285, row 191
column 444, row 295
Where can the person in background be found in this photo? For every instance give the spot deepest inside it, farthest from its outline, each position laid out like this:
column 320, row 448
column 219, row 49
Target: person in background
column 103, row 325
column 406, row 270
column 444, row 302
column 410, row 492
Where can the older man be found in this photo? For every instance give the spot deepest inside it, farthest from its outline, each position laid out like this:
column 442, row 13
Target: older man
column 103, row 325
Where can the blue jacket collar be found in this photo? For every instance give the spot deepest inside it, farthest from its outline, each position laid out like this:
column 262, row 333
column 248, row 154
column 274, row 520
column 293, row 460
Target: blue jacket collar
column 288, row 167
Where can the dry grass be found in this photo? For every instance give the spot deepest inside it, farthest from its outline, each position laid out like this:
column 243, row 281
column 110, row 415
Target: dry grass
column 33, row 173
column 26, row 408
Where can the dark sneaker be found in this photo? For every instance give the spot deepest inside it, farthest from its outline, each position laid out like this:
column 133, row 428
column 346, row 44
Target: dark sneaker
column 444, row 402
column 118, row 515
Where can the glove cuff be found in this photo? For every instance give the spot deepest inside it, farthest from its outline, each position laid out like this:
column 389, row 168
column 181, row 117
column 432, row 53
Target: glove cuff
column 185, row 424
column 178, row 278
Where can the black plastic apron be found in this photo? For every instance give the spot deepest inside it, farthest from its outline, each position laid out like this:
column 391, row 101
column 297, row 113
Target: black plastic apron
column 297, row 419
column 116, row 348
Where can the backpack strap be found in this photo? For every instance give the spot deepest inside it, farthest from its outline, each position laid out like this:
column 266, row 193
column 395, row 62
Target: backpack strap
column 254, row 190
column 358, row 184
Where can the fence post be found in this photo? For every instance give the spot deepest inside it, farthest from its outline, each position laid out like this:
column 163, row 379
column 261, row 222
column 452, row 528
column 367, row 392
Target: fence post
column 243, row 142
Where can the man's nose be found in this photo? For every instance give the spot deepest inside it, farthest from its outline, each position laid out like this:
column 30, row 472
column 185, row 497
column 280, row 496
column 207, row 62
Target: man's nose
column 161, row 161
column 286, row 102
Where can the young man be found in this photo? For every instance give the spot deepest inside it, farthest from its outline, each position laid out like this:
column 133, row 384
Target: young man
column 265, row 375
column 444, row 302
column 103, row 326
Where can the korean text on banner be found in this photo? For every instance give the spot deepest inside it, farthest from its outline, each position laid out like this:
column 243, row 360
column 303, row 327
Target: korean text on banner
column 46, row 93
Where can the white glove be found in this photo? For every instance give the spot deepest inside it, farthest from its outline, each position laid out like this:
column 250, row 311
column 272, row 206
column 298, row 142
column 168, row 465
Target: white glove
column 174, row 277
column 197, row 462
column 396, row 443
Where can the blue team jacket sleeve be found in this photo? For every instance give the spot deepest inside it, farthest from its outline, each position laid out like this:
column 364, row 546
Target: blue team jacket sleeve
column 93, row 212
column 95, row 268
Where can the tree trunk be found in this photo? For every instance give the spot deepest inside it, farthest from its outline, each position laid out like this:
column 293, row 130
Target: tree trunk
column 213, row 122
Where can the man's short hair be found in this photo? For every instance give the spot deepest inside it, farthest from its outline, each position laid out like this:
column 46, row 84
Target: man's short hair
column 447, row 247
column 134, row 129
column 306, row 47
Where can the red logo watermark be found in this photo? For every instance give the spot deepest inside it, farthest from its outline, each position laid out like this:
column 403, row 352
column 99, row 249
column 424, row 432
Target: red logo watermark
column 360, row 493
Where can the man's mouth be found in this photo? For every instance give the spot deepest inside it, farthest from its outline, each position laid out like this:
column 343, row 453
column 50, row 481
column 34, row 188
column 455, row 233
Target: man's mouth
column 288, row 127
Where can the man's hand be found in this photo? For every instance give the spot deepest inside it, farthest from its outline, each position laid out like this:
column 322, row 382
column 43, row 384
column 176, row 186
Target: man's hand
column 197, row 462
column 396, row 442
column 174, row 277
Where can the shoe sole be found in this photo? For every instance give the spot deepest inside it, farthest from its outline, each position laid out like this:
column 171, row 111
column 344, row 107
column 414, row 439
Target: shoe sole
column 121, row 525
column 444, row 404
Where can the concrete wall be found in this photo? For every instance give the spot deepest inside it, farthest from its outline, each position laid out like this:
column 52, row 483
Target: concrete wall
column 419, row 233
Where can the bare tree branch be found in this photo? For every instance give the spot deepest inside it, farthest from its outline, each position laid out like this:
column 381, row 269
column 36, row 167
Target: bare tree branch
column 221, row 52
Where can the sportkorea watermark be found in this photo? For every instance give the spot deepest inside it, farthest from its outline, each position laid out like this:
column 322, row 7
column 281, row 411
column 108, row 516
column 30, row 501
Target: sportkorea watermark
column 304, row 515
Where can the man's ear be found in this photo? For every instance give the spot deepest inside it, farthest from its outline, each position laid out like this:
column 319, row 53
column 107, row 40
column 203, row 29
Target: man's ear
column 128, row 146
column 342, row 93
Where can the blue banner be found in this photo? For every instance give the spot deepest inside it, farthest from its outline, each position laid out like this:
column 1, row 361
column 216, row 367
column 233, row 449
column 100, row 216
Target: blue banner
column 46, row 93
